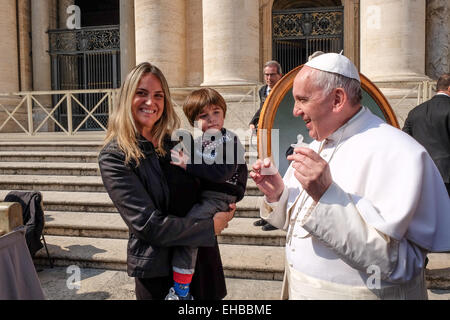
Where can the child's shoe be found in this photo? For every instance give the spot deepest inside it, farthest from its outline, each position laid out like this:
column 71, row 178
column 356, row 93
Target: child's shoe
column 173, row 296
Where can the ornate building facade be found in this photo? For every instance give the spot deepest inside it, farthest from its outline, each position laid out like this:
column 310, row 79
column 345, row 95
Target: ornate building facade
column 215, row 42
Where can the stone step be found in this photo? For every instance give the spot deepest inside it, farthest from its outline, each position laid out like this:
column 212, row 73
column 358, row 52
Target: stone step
column 93, row 143
column 100, row 202
column 438, row 271
column 54, row 168
column 93, row 146
column 49, row 168
column 242, row 231
column 111, row 225
column 49, row 156
column 52, row 183
column 71, row 156
column 101, row 284
column 80, row 136
column 84, row 183
column 239, row 261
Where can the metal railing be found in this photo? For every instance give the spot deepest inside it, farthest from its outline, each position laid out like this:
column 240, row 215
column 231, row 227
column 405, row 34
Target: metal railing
column 30, row 105
column 63, row 102
column 422, row 91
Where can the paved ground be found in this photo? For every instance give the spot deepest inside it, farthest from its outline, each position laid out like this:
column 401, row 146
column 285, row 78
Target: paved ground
column 97, row 284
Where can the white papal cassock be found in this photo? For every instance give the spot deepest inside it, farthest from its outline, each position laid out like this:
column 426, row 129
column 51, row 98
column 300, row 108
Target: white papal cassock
column 386, row 208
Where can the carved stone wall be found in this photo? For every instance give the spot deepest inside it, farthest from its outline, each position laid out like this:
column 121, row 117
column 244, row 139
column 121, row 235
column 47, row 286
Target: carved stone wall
column 437, row 38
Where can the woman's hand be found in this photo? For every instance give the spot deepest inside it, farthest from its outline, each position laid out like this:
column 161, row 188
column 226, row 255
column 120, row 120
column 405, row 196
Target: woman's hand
column 221, row 219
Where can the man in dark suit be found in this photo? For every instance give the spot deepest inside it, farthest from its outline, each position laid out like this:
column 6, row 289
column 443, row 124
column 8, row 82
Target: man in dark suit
column 429, row 124
column 272, row 73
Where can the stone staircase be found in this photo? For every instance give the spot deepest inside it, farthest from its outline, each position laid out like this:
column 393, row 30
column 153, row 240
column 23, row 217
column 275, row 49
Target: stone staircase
column 83, row 227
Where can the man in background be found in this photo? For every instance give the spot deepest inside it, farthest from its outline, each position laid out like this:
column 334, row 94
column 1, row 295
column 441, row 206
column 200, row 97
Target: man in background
column 429, row 124
column 272, row 73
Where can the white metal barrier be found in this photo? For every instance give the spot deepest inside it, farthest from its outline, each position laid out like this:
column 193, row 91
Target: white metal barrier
column 423, row 91
column 66, row 100
column 30, row 102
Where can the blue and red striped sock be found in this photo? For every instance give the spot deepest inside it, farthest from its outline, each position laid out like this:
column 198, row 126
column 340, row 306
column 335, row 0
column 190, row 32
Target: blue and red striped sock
column 181, row 283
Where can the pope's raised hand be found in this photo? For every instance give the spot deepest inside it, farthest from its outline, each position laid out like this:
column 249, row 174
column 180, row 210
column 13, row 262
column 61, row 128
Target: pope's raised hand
column 312, row 171
column 267, row 179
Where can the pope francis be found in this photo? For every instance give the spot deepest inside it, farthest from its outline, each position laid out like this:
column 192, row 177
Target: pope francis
column 362, row 206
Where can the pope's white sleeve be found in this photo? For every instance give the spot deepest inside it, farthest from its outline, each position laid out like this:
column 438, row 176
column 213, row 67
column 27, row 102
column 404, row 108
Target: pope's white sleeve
column 275, row 212
column 337, row 222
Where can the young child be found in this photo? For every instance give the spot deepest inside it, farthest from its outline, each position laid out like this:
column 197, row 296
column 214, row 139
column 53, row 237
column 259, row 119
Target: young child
column 223, row 175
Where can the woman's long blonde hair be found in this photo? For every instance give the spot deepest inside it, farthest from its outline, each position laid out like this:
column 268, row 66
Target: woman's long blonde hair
column 121, row 125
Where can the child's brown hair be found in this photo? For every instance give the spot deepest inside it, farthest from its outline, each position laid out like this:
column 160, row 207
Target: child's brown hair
column 198, row 99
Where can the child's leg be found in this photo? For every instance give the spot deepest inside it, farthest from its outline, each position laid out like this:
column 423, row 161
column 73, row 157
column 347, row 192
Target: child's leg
column 183, row 265
column 185, row 258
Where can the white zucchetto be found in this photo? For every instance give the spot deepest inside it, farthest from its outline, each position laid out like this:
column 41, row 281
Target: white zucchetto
column 334, row 63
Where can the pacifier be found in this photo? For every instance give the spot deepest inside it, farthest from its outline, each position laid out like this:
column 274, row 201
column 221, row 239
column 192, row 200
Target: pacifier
column 299, row 143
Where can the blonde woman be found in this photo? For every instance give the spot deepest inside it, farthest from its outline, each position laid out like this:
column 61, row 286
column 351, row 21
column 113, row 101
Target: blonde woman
column 153, row 196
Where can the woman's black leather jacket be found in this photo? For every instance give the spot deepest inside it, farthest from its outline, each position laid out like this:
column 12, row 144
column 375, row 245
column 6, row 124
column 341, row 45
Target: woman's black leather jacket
column 140, row 194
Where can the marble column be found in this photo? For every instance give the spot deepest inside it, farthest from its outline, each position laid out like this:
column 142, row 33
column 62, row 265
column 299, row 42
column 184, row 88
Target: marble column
column 43, row 17
column 10, row 80
column 25, row 66
column 127, row 38
column 161, row 37
column 40, row 24
column 265, row 33
column 393, row 40
column 194, row 43
column 438, row 38
column 351, row 30
column 9, row 56
column 230, row 42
